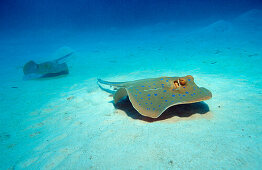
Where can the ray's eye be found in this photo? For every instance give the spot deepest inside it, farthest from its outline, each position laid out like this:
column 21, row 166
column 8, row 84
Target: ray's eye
column 182, row 81
column 176, row 84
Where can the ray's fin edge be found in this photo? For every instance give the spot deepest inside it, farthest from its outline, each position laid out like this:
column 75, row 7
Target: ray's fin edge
column 120, row 95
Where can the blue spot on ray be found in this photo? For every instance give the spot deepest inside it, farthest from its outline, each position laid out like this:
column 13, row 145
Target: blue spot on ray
column 148, row 98
column 149, row 95
column 164, row 91
column 186, row 92
column 142, row 86
column 155, row 94
column 173, row 95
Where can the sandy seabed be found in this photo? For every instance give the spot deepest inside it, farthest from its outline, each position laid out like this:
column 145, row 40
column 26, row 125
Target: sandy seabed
column 70, row 123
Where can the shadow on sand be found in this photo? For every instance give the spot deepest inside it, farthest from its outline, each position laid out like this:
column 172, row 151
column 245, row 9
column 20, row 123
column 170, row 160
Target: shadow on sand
column 182, row 111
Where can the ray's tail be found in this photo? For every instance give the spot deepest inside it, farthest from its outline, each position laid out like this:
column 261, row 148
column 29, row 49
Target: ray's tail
column 115, row 84
column 64, row 58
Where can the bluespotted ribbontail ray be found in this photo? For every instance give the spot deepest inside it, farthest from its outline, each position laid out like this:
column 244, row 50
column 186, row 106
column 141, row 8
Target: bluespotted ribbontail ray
column 53, row 68
column 151, row 97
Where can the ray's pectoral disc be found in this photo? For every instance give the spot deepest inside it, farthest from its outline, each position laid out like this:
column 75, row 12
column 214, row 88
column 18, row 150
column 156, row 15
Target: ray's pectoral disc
column 151, row 97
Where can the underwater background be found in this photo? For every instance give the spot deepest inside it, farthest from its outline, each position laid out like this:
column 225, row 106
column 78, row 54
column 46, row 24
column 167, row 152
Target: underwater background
column 68, row 122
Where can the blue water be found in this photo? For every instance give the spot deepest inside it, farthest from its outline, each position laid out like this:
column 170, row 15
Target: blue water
column 68, row 122
column 93, row 15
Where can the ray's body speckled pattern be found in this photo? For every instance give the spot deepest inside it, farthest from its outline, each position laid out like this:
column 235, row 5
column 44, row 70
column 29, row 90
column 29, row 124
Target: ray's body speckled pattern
column 151, row 97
